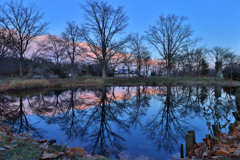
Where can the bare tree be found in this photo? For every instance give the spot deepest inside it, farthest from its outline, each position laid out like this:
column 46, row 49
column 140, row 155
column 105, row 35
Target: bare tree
column 23, row 24
column 6, row 54
column 129, row 63
column 161, row 68
column 220, row 56
column 189, row 56
column 232, row 61
column 139, row 51
column 147, row 64
column 168, row 36
column 180, row 64
column 55, row 47
column 72, row 42
column 102, row 31
column 200, row 54
column 5, row 44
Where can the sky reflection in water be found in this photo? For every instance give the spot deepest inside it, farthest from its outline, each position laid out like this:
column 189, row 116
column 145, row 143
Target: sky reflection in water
column 149, row 121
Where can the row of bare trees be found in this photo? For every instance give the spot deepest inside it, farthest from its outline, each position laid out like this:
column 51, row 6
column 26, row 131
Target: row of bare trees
column 193, row 59
column 103, row 33
column 103, row 23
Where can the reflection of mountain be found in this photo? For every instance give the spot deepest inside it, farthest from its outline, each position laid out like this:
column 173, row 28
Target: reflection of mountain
column 50, row 103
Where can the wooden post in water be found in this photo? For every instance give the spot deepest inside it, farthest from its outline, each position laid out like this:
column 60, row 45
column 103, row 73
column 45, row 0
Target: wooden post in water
column 231, row 128
column 237, row 99
column 189, row 143
column 193, row 133
column 181, row 151
column 215, row 130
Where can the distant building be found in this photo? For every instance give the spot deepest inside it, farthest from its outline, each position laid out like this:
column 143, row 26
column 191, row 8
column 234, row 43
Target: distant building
column 125, row 73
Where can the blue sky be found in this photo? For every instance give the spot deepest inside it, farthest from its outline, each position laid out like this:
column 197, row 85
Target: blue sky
column 216, row 21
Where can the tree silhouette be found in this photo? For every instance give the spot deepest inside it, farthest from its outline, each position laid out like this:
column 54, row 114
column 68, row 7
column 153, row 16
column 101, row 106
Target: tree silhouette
column 15, row 116
column 168, row 126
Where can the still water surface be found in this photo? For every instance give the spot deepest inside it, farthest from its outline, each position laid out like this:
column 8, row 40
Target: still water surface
column 113, row 121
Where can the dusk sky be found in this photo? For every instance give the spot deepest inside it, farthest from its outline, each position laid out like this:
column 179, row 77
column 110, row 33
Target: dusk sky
column 217, row 22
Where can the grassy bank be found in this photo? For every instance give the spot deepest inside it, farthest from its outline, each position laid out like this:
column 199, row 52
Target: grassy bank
column 22, row 84
column 23, row 146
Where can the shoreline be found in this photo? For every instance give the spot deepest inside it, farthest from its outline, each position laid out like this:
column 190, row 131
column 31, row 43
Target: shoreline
column 24, row 146
column 67, row 83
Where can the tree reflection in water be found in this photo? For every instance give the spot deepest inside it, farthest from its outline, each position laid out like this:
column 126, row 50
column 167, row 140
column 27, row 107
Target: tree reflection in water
column 170, row 124
column 14, row 114
column 103, row 118
column 219, row 108
column 137, row 105
column 100, row 122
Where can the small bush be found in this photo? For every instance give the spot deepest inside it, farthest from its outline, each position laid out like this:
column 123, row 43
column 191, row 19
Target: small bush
column 59, row 72
column 154, row 83
column 32, row 83
column 93, row 81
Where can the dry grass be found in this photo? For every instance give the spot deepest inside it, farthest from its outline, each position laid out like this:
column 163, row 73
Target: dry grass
column 31, row 83
column 24, row 149
column 94, row 81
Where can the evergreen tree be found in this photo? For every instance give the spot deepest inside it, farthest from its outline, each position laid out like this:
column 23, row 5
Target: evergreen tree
column 204, row 68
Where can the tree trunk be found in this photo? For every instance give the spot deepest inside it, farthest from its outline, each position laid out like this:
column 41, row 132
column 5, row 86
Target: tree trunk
column 191, row 73
column 168, row 73
column 198, row 73
column 237, row 99
column 139, row 70
column 104, row 73
column 20, row 62
column 72, row 72
column 57, row 63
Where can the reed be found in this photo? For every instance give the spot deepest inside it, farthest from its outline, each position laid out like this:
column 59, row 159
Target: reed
column 94, row 81
column 31, row 83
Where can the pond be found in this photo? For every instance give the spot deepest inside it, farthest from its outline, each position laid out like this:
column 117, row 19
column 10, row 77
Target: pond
column 116, row 121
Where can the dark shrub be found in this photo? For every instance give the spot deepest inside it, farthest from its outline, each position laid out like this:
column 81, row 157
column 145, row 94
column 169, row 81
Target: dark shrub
column 235, row 75
column 154, row 83
column 59, row 72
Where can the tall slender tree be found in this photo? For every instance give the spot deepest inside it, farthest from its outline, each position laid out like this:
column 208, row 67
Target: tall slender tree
column 55, row 47
column 72, row 40
column 139, row 51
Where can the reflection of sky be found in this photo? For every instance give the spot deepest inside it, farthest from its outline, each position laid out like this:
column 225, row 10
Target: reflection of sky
column 137, row 143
